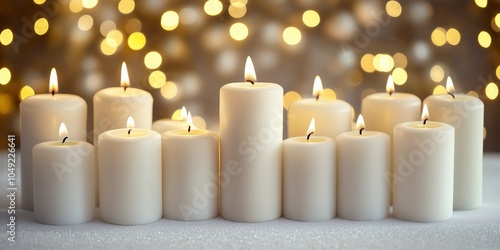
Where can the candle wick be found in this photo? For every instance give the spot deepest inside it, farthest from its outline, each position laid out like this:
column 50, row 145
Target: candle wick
column 125, row 88
column 317, row 97
column 452, row 95
column 189, row 129
column 53, row 92
column 250, row 81
column 425, row 121
column 309, row 135
column 64, row 139
column 390, row 93
column 361, row 131
column 130, row 130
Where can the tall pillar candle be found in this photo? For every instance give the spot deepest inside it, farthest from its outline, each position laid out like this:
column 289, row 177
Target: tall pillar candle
column 251, row 133
column 112, row 106
column 423, row 181
column 130, row 176
column 363, row 163
column 164, row 125
column 466, row 114
column 40, row 114
column 383, row 111
column 309, row 177
column 63, row 181
column 190, row 173
column 332, row 116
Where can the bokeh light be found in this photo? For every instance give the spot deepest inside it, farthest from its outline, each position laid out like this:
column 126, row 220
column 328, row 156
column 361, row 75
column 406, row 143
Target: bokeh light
column 481, row 3
column 491, row 91
column 290, row 97
column 310, row 18
column 116, row 36
column 238, row 31
column 438, row 36
column 4, row 76
column 108, row 46
column 26, row 92
column 393, row 8
column 106, row 27
column 39, row 2
column 89, row 4
column 85, row 22
column 328, row 94
column 484, row 39
column 399, row 76
column 133, row 25
column 400, row 60
column 237, row 10
column 473, row 93
column 436, row 73
column 152, row 60
column 213, row 7
column 169, row 20
column 6, row 37
column 453, row 36
column 41, row 26
column 6, row 104
column 136, row 41
column 367, row 63
column 292, row 36
column 157, row 79
column 177, row 115
column 75, row 6
column 383, row 62
column 169, row 91
column 439, row 90
column 126, row 6
column 498, row 72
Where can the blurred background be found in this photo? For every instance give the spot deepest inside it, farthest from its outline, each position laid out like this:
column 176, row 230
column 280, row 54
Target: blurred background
column 182, row 52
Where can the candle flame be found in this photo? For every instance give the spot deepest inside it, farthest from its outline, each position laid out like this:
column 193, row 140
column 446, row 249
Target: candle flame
column 360, row 123
column 130, row 122
column 317, row 87
column 389, row 87
column 449, row 85
column 53, row 85
column 183, row 113
column 312, row 127
column 189, row 121
column 250, row 71
column 425, row 112
column 125, row 81
column 63, row 131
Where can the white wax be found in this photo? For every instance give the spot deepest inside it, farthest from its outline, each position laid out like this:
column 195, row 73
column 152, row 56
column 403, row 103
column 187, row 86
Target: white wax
column 382, row 112
column 41, row 115
column 190, row 174
column 466, row 114
column 130, row 176
column 113, row 106
column 332, row 117
column 363, row 164
column 423, row 183
column 251, row 134
column 164, row 125
column 63, row 182
column 309, row 178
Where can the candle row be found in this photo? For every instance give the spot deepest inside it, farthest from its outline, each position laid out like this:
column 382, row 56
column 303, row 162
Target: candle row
column 261, row 176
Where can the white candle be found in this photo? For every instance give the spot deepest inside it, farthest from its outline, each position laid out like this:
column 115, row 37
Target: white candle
column 363, row 163
column 39, row 115
column 164, row 125
column 63, row 181
column 423, row 157
column 383, row 111
column 309, row 177
column 251, row 133
column 112, row 106
column 466, row 114
column 130, row 178
column 332, row 116
column 190, row 173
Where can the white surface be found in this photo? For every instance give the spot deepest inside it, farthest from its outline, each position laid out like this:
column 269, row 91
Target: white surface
column 478, row 228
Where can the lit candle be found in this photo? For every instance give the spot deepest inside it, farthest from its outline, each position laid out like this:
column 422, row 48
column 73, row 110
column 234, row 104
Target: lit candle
column 63, row 181
column 165, row 125
column 466, row 114
column 112, row 106
column 423, row 183
column 39, row 115
column 309, row 177
column 130, row 178
column 332, row 116
column 383, row 111
column 363, row 163
column 251, row 134
column 190, row 173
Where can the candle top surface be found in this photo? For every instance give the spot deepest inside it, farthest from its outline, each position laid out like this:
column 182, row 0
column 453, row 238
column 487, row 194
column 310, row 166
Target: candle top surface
column 419, row 127
column 185, row 134
column 57, row 99
column 458, row 98
column 122, row 134
column 313, row 101
column 365, row 134
column 114, row 92
column 395, row 96
column 257, row 86
column 313, row 140
column 55, row 145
